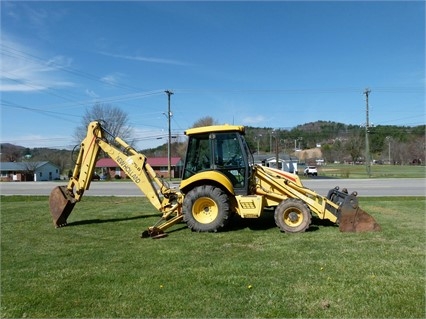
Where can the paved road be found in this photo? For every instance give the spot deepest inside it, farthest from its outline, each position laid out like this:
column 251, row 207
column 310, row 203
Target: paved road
column 364, row 187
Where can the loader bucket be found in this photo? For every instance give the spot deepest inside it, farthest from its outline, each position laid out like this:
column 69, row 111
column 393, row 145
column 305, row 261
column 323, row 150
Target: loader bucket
column 357, row 220
column 61, row 204
column 351, row 217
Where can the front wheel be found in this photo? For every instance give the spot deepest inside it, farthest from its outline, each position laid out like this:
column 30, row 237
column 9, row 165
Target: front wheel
column 206, row 209
column 292, row 216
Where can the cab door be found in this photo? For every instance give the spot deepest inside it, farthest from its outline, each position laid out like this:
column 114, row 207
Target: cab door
column 230, row 158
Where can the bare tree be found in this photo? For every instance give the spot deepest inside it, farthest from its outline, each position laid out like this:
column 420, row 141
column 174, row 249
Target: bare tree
column 402, row 153
column 416, row 151
column 10, row 153
column 205, row 121
column 113, row 119
column 29, row 170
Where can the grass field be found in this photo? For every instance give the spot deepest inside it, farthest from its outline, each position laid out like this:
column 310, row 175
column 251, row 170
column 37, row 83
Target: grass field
column 99, row 267
column 377, row 171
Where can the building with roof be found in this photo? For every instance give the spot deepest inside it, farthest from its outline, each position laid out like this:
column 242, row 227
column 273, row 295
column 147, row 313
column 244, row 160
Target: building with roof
column 28, row 171
column 107, row 167
column 285, row 162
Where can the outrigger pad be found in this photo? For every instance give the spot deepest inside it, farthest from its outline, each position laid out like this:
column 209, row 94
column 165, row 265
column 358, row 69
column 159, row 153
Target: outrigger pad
column 61, row 205
column 153, row 233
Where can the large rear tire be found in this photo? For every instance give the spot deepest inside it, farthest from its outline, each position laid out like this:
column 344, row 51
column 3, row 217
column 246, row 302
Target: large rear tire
column 292, row 216
column 206, row 209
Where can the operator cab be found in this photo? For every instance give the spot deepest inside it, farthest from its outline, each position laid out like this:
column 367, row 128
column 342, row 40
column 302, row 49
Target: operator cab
column 220, row 148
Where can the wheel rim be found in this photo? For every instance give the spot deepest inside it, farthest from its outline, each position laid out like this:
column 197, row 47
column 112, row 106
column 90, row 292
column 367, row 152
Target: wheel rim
column 205, row 210
column 293, row 217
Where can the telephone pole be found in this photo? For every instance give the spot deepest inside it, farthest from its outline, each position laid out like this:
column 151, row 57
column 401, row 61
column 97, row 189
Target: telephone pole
column 367, row 131
column 169, row 115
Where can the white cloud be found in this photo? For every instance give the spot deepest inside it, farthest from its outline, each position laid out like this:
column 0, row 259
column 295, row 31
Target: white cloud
column 144, row 58
column 22, row 69
column 252, row 120
column 91, row 93
column 110, row 79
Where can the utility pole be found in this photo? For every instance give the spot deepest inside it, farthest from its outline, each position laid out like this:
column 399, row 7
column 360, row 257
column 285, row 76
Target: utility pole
column 169, row 115
column 367, row 131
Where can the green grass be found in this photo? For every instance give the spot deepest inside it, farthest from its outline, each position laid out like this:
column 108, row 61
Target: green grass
column 99, row 267
column 377, row 171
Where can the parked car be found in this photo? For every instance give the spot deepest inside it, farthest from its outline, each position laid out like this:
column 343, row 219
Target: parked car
column 310, row 170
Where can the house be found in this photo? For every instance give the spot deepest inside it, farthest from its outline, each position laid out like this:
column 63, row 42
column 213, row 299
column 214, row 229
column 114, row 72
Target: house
column 28, row 171
column 286, row 162
column 108, row 167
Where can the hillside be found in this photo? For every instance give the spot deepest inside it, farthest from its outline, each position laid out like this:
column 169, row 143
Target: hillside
column 321, row 139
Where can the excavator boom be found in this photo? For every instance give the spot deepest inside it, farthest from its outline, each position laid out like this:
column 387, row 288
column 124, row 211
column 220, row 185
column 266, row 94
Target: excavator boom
column 63, row 198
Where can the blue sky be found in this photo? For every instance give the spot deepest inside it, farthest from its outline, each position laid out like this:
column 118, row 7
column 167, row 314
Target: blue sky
column 271, row 64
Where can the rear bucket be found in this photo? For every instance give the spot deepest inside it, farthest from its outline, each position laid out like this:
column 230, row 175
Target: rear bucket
column 354, row 219
column 61, row 204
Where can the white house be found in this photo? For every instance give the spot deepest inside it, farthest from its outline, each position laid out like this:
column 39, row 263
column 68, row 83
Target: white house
column 29, row 171
column 286, row 162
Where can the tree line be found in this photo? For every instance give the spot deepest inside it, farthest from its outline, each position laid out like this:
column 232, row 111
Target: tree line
column 338, row 142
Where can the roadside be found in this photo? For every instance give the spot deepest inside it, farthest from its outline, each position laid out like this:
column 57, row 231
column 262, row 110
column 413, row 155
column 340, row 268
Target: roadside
column 364, row 187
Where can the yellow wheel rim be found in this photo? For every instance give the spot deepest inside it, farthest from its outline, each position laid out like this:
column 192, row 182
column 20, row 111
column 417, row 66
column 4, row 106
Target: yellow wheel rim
column 293, row 217
column 205, row 210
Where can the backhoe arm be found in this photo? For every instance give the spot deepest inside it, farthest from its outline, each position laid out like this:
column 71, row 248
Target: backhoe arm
column 86, row 162
column 63, row 198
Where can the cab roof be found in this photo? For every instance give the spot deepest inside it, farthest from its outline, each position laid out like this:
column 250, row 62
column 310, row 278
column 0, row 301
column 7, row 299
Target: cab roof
column 215, row 128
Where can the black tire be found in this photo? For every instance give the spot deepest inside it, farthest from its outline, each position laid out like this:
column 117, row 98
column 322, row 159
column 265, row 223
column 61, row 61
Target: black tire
column 206, row 209
column 292, row 216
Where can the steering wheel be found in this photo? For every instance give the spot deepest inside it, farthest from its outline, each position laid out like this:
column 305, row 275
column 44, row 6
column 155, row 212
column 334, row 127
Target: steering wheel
column 231, row 161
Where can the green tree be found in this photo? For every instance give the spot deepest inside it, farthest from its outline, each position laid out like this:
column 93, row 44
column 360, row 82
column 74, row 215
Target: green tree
column 354, row 146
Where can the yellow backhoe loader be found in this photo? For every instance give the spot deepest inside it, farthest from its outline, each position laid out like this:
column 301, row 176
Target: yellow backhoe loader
column 219, row 179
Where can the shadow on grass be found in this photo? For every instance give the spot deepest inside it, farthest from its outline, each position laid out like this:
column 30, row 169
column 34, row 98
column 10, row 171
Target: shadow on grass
column 110, row 220
column 266, row 221
column 316, row 223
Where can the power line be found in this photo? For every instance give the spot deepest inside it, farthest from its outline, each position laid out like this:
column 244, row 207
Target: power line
column 43, row 112
column 416, row 90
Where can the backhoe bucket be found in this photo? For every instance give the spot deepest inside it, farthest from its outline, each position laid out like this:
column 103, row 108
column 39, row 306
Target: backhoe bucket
column 351, row 218
column 61, row 204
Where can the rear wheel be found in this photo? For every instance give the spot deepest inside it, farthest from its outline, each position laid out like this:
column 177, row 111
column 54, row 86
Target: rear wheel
column 292, row 216
column 206, row 209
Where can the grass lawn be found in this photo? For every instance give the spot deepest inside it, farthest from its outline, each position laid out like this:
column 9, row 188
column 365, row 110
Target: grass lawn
column 377, row 171
column 99, row 267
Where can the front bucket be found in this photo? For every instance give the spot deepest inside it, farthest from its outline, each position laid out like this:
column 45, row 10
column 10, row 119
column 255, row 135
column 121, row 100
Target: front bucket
column 350, row 217
column 61, row 204
column 354, row 219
